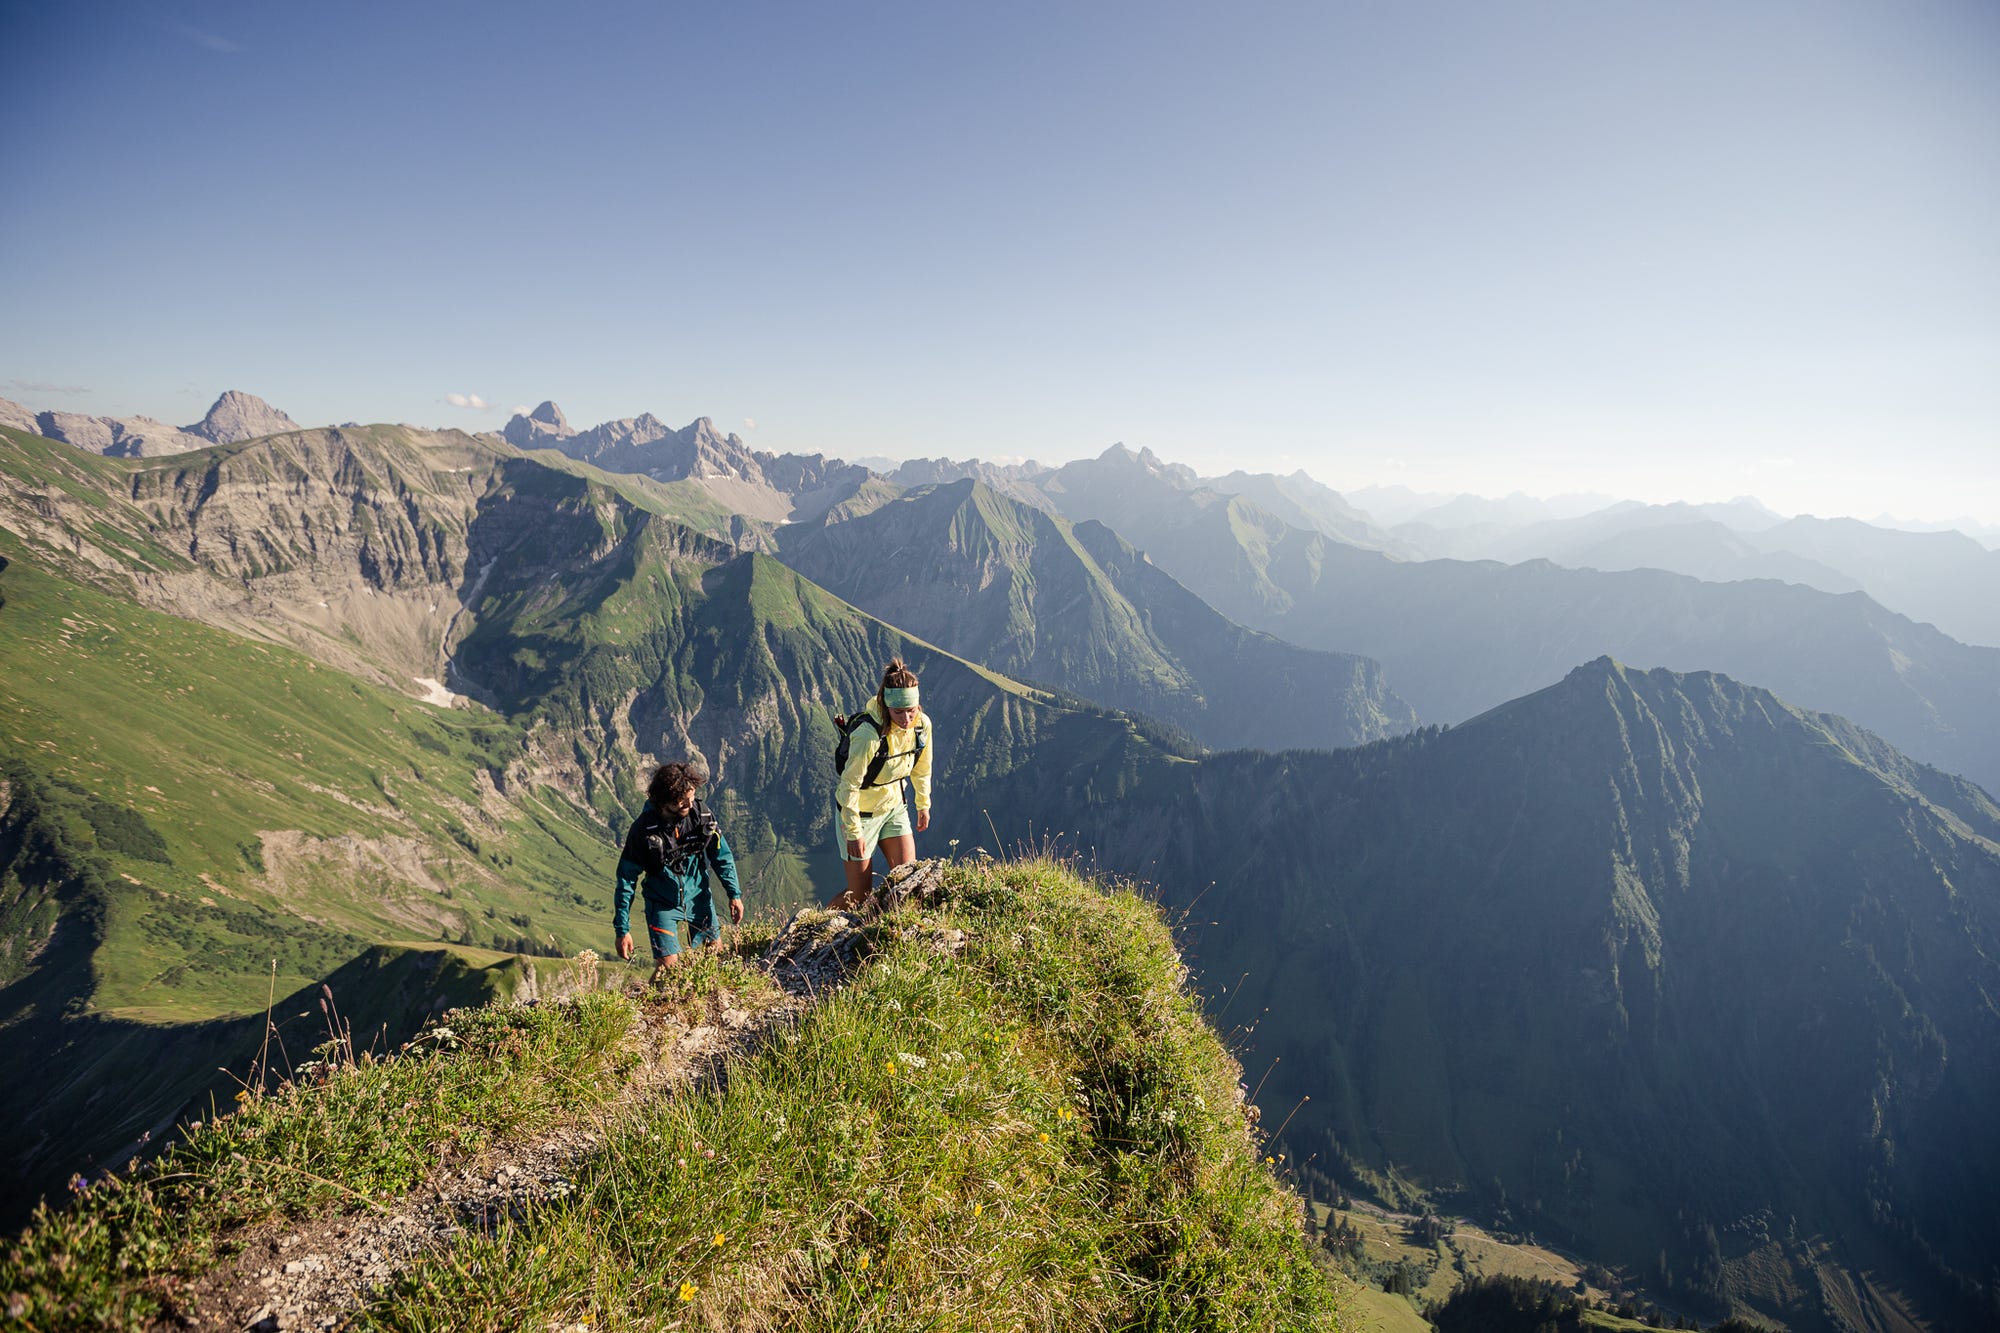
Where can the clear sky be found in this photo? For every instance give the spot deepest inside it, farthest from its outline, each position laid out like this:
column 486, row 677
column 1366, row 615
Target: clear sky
column 1663, row 250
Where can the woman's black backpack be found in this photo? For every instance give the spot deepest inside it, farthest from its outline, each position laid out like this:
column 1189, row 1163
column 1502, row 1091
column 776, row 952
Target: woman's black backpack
column 845, row 727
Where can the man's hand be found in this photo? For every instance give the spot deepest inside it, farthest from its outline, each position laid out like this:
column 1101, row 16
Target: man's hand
column 625, row 946
column 853, row 849
column 735, row 911
column 923, row 820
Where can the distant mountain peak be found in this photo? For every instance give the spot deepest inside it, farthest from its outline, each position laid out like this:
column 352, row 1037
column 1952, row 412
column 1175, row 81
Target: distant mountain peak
column 238, row 416
column 538, row 429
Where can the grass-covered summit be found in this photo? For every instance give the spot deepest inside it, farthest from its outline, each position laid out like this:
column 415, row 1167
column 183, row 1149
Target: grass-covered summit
column 1012, row 1116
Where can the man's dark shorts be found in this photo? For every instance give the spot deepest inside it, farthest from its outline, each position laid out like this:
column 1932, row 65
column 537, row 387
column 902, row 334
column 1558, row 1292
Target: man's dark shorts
column 663, row 923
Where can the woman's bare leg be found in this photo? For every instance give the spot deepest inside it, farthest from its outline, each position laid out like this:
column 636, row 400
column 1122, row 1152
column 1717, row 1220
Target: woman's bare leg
column 899, row 851
column 860, row 880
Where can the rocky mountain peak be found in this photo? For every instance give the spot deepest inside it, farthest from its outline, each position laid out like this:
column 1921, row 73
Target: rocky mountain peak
column 240, row 416
column 539, row 428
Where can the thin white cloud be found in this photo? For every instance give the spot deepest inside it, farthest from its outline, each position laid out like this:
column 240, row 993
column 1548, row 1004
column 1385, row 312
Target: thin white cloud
column 211, row 41
column 749, row 423
column 522, row 409
column 43, row 386
column 471, row 400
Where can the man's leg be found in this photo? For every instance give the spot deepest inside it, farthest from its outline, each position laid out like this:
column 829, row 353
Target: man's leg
column 704, row 927
column 663, row 928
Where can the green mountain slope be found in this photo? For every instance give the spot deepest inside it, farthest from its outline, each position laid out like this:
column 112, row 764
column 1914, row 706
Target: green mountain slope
column 1033, row 595
column 1457, row 637
column 1655, row 964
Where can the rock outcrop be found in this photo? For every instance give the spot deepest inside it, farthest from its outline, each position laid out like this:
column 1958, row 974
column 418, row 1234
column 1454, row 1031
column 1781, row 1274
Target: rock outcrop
column 543, row 428
column 240, row 416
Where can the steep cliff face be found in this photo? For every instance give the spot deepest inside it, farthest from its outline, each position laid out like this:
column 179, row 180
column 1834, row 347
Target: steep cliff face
column 1024, row 591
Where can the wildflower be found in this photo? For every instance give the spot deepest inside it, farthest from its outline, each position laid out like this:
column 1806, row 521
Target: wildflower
column 864, row 1261
column 243, row 1094
column 688, row 1290
column 978, row 1208
column 1045, row 1136
column 681, row 1162
column 1270, row 1161
column 721, row 1238
column 892, row 1065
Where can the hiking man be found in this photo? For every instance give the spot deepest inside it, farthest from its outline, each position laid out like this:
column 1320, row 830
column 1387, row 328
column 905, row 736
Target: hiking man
column 670, row 849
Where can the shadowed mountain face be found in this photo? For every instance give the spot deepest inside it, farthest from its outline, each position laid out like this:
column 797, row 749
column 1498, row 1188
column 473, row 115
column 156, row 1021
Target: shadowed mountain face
column 1655, row 963
column 1032, row 595
column 1458, row 637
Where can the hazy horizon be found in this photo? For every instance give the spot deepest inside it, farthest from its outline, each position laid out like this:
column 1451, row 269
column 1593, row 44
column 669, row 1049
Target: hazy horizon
column 1687, row 252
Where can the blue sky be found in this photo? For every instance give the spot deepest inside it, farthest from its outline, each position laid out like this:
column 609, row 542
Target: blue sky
column 1665, row 250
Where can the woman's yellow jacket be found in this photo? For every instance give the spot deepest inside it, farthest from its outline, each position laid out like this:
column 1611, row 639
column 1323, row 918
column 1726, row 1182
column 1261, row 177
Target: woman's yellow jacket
column 910, row 751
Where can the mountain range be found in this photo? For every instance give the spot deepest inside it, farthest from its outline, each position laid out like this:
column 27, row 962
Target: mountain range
column 1040, row 598
column 1654, row 964
column 1457, row 637
column 1661, row 964
column 234, row 417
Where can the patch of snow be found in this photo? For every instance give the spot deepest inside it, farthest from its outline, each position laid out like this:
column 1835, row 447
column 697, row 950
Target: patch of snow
column 436, row 693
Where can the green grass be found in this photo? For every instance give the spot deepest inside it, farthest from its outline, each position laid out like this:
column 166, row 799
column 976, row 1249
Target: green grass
column 1034, row 1129
column 346, row 1134
column 184, row 745
column 1038, row 1131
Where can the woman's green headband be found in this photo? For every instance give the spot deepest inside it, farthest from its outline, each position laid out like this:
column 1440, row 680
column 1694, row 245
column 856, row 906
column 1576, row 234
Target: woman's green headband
column 900, row 696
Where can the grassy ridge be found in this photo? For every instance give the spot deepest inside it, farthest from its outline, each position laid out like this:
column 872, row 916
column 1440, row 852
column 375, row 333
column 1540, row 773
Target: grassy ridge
column 1013, row 1117
column 1036, row 1130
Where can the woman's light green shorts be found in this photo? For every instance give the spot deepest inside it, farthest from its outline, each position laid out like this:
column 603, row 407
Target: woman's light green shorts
column 891, row 823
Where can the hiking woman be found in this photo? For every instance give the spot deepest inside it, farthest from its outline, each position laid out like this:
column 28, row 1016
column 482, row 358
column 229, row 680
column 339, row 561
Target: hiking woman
column 670, row 849
column 890, row 746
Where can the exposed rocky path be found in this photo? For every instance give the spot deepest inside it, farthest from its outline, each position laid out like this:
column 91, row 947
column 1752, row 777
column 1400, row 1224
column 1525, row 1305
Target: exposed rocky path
column 317, row 1273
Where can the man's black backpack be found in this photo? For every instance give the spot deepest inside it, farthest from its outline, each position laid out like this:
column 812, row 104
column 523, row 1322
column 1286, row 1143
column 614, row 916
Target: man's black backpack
column 845, row 727
column 669, row 848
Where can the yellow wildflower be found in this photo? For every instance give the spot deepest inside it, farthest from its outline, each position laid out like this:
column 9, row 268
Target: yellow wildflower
column 978, row 1208
column 721, row 1237
column 1045, row 1136
column 687, row 1291
column 243, row 1096
column 891, row 1064
column 864, row 1261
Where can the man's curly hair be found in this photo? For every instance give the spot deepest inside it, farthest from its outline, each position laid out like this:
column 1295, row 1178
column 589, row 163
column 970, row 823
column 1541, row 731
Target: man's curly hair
column 670, row 783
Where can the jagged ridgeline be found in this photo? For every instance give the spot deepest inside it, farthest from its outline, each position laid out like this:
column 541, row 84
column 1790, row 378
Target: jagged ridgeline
column 250, row 777
column 1458, row 637
column 1039, row 597
column 1653, row 964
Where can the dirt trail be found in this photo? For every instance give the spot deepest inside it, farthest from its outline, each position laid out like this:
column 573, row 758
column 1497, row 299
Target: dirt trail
column 317, row 1273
